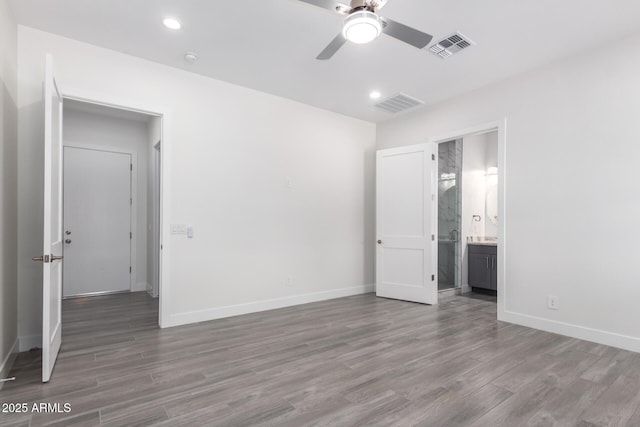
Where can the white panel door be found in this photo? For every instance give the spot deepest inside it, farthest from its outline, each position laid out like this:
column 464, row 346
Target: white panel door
column 97, row 221
column 405, row 224
column 52, row 236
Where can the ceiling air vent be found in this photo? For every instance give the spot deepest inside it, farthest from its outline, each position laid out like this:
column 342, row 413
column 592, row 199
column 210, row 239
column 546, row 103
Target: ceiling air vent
column 450, row 45
column 398, row 103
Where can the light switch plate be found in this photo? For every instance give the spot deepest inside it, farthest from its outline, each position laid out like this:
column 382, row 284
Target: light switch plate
column 178, row 229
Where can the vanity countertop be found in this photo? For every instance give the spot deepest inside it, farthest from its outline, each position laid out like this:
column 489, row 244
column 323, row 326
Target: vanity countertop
column 482, row 240
column 485, row 243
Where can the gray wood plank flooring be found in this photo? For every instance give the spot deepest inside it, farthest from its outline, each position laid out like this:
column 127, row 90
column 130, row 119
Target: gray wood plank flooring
column 352, row 361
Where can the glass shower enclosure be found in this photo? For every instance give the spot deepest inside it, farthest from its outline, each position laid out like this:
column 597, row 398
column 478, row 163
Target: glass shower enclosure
column 449, row 213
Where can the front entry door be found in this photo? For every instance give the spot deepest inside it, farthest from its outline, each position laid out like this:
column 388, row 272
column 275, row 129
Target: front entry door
column 97, row 221
column 405, row 224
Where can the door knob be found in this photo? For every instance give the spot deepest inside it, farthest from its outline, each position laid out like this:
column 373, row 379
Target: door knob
column 67, row 241
column 56, row 258
column 67, row 232
column 43, row 258
column 379, row 242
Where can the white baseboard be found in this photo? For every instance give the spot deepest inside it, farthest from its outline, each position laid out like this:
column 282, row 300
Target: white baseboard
column 7, row 363
column 28, row 342
column 270, row 304
column 139, row 287
column 624, row 342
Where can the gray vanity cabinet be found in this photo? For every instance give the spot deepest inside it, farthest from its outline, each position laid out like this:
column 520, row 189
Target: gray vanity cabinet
column 483, row 266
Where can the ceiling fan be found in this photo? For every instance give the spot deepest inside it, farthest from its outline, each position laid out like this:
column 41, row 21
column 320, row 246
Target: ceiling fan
column 362, row 24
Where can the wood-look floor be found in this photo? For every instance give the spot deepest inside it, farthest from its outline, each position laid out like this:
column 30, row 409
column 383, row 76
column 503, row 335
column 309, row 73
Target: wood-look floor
column 354, row 361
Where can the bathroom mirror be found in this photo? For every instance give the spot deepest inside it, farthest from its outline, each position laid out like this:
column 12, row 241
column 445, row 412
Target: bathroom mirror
column 491, row 204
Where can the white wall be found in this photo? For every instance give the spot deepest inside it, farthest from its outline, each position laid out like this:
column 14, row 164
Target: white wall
column 479, row 153
column 233, row 153
column 491, row 185
column 8, row 188
column 473, row 194
column 154, row 130
column 82, row 128
column 572, row 180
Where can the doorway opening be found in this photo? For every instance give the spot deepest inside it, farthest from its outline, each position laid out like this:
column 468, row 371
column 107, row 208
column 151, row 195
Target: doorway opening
column 449, row 211
column 468, row 220
column 112, row 179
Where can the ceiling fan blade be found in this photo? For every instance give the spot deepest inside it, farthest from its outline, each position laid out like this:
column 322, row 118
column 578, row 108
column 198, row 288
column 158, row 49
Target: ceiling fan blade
column 406, row 34
column 332, row 48
column 332, row 5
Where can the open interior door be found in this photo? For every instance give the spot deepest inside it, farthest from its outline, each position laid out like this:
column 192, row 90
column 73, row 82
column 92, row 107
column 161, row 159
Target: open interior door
column 52, row 241
column 405, row 223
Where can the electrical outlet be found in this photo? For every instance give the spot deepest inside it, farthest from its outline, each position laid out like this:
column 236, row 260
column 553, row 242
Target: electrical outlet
column 552, row 302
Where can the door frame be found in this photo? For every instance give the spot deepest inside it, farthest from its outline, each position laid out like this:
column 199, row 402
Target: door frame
column 155, row 215
column 164, row 114
column 133, row 209
column 501, row 127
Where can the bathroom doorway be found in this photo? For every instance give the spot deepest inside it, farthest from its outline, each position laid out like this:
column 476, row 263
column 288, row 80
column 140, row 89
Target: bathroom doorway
column 468, row 213
column 449, row 213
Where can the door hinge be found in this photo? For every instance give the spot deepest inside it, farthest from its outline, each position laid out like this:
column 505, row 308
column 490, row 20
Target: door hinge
column 433, row 277
column 433, row 157
column 130, row 235
column 433, row 237
column 131, row 167
column 129, row 269
column 131, row 201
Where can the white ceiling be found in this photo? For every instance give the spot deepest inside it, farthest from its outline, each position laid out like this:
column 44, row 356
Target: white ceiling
column 271, row 45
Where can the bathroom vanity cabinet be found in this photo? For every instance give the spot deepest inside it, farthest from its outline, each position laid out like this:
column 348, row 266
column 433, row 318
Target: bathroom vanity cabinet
column 483, row 266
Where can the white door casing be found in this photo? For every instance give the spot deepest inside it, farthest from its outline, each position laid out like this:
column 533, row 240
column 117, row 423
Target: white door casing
column 52, row 236
column 97, row 221
column 157, row 208
column 405, row 223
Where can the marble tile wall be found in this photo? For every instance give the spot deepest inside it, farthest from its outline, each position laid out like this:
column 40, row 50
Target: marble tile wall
column 449, row 211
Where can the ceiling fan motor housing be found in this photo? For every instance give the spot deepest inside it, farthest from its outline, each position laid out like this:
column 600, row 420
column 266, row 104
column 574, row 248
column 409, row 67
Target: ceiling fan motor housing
column 359, row 4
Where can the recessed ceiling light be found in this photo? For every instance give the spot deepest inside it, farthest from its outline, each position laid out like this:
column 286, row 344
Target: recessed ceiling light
column 375, row 94
column 172, row 23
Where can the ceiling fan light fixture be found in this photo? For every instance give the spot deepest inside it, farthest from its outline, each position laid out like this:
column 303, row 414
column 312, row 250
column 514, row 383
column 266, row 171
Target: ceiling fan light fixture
column 362, row 27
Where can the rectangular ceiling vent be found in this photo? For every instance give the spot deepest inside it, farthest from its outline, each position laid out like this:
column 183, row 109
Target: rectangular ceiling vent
column 398, row 103
column 450, row 45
